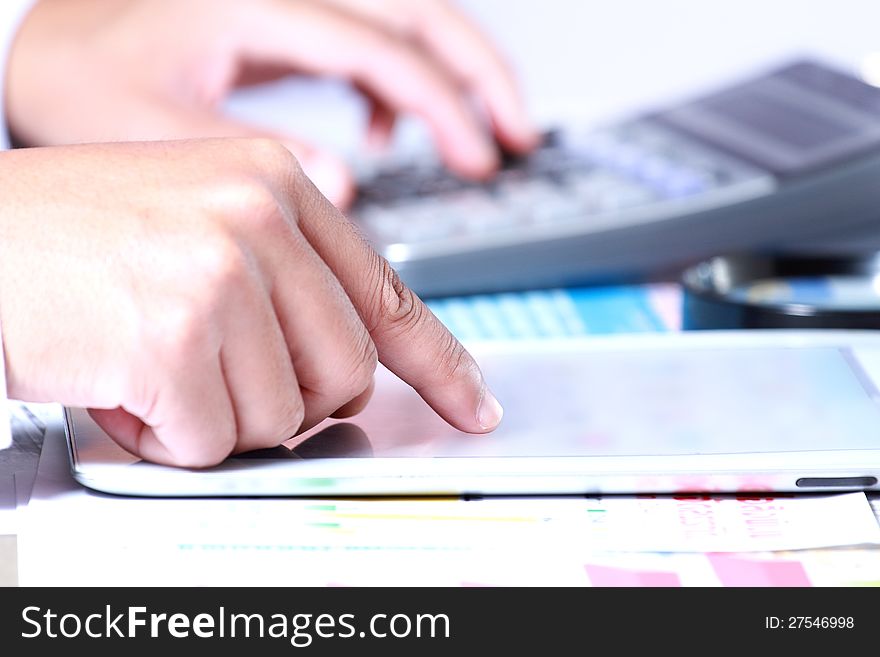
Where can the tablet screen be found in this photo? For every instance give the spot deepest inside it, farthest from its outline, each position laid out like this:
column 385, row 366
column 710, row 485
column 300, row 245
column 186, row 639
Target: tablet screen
column 639, row 402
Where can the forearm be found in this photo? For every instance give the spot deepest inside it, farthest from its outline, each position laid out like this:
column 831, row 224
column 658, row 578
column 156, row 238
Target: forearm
column 12, row 12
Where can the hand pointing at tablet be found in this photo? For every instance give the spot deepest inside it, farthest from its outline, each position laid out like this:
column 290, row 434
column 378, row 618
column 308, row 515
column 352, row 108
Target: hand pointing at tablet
column 203, row 298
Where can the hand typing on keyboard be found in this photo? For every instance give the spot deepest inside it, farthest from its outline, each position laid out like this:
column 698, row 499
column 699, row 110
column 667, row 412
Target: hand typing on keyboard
column 71, row 81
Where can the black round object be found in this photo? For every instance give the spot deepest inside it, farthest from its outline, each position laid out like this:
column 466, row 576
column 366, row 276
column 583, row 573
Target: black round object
column 783, row 291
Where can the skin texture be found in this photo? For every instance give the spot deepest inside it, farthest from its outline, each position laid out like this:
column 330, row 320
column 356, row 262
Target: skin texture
column 104, row 70
column 203, row 298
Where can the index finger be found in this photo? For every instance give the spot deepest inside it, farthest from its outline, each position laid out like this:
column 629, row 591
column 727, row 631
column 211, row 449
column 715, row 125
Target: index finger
column 410, row 340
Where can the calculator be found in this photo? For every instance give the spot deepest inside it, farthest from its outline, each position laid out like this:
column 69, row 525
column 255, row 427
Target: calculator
column 785, row 156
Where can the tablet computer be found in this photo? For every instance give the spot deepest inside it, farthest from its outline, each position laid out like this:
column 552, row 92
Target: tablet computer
column 725, row 411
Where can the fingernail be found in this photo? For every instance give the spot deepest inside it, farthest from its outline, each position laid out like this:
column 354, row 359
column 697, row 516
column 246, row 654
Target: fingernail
column 489, row 411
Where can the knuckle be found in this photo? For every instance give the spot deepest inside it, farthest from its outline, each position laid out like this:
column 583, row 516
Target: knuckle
column 275, row 158
column 454, row 362
column 265, row 152
column 351, row 372
column 361, row 366
column 206, row 456
column 296, row 415
column 218, row 265
column 181, row 329
column 275, row 426
column 290, row 419
column 202, row 453
column 399, row 310
column 184, row 322
column 250, row 203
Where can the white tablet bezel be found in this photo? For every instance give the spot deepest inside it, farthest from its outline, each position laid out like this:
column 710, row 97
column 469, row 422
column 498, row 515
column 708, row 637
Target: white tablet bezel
column 97, row 462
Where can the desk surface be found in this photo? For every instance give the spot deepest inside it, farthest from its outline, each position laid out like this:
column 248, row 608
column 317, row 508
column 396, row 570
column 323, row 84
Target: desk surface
column 642, row 541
